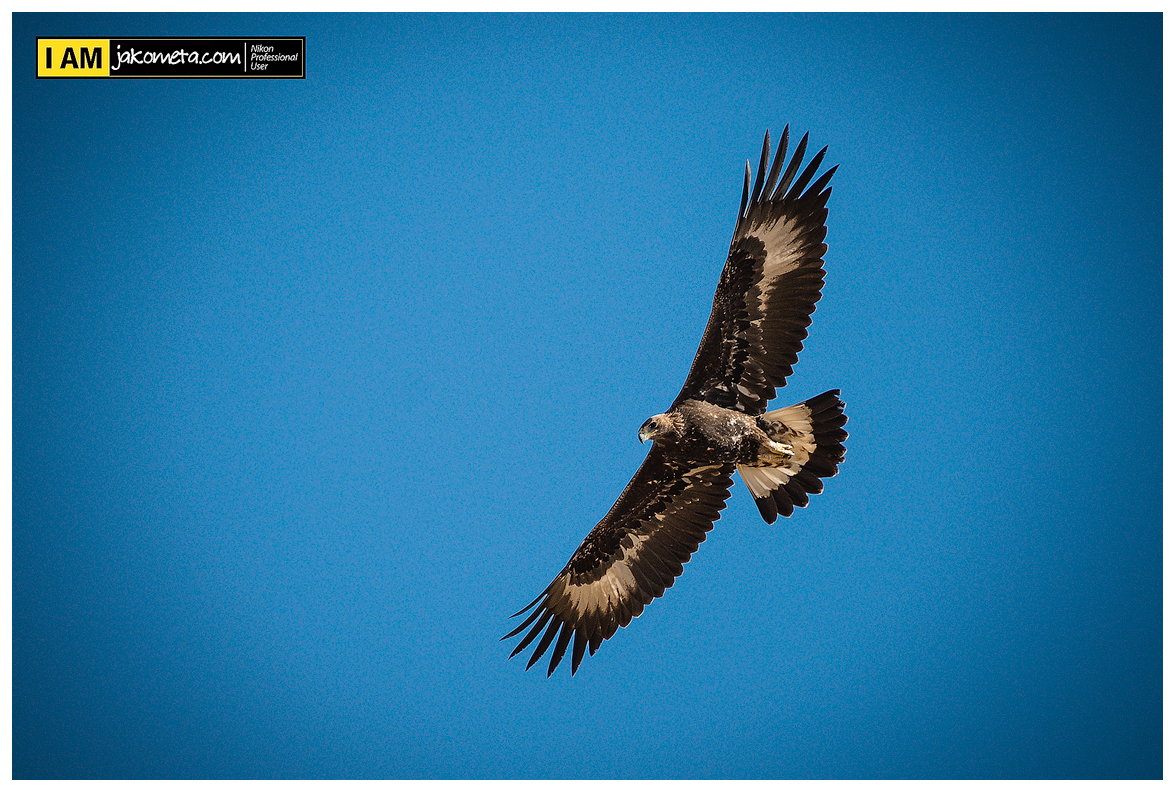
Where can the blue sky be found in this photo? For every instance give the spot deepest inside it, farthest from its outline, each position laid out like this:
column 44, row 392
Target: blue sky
column 316, row 381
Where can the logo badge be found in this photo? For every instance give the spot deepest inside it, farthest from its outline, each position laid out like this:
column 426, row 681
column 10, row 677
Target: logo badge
column 172, row 57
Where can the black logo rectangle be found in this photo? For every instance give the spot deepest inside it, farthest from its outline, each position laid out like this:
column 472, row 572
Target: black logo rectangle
column 278, row 57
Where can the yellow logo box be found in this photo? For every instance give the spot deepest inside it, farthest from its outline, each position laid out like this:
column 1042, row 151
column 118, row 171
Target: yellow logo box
column 73, row 57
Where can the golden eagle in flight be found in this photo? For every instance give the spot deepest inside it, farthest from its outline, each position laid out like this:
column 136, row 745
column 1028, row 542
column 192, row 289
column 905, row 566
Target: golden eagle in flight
column 717, row 425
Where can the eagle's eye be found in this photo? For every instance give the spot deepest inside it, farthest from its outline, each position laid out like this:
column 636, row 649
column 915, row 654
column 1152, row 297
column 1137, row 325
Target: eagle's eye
column 652, row 428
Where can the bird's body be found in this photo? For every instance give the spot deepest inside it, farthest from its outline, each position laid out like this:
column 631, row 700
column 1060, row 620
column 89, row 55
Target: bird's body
column 717, row 424
column 697, row 430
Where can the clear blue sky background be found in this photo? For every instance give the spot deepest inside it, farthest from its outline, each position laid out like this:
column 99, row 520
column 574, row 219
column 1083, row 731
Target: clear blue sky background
column 316, row 381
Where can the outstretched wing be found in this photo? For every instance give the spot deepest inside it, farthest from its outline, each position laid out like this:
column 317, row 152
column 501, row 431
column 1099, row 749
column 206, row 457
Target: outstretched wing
column 769, row 286
column 631, row 557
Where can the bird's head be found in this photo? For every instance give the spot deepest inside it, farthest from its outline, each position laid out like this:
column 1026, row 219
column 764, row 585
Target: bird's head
column 661, row 424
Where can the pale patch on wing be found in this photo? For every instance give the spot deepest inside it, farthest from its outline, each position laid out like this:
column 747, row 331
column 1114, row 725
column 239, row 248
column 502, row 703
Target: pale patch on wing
column 631, row 557
column 782, row 243
column 617, row 584
column 770, row 284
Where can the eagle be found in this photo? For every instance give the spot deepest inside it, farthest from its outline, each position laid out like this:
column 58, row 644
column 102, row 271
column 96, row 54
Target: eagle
column 717, row 425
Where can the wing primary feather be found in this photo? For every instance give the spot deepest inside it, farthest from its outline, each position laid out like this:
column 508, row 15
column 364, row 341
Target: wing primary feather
column 763, row 167
column 561, row 647
column 777, row 164
column 526, row 622
column 578, row 649
column 793, row 167
column 819, row 185
column 530, row 637
column 528, row 606
column 803, row 179
column 593, row 623
column 552, row 629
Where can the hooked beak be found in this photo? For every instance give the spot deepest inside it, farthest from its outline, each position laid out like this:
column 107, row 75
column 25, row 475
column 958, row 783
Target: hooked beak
column 646, row 432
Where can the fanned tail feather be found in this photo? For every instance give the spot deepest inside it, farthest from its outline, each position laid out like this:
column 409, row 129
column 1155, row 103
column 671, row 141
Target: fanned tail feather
column 814, row 429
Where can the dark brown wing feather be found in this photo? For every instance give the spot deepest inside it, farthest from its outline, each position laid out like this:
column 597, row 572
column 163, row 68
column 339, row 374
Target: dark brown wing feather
column 769, row 286
column 631, row 557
